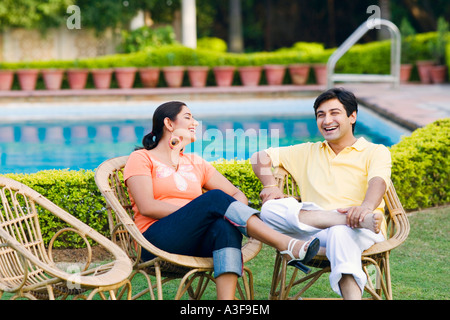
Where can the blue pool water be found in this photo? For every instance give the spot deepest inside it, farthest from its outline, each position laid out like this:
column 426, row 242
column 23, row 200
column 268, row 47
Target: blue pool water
column 36, row 137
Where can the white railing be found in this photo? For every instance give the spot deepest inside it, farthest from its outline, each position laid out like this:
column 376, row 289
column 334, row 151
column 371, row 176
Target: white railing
column 393, row 77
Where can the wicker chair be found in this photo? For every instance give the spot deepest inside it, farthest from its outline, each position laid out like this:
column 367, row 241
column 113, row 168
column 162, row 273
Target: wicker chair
column 27, row 269
column 166, row 266
column 375, row 260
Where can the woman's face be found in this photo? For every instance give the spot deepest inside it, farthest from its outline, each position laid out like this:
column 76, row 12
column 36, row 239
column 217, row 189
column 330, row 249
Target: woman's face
column 185, row 126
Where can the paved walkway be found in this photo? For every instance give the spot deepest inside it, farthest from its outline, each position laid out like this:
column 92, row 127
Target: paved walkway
column 410, row 105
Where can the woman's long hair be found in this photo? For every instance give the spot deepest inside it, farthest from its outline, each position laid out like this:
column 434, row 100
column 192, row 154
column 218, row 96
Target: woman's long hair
column 167, row 110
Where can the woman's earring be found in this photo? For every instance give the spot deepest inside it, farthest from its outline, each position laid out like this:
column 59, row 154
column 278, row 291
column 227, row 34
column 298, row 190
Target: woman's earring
column 174, row 141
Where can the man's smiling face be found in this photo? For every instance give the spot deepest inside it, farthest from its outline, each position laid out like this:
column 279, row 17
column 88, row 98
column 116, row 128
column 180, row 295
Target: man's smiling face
column 333, row 122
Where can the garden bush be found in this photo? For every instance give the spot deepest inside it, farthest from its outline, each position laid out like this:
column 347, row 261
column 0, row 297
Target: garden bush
column 73, row 191
column 212, row 44
column 420, row 166
column 373, row 57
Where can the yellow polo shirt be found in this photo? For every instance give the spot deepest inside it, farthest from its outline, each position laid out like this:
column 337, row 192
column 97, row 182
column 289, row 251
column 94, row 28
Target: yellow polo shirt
column 334, row 181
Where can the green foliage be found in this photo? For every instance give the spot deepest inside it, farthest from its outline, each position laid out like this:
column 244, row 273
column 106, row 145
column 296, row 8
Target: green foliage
column 33, row 13
column 369, row 58
column 420, row 166
column 438, row 46
column 407, row 33
column 73, row 191
column 241, row 174
column 145, row 37
column 212, row 44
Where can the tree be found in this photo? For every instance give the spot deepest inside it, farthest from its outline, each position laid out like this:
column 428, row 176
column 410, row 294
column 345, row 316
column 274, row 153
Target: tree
column 33, row 14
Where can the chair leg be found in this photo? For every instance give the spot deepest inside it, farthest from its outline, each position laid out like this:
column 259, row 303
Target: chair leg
column 276, row 277
column 187, row 281
column 281, row 286
column 247, row 282
column 382, row 275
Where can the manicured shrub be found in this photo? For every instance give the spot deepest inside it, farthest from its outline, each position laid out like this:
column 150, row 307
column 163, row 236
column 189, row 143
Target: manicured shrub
column 241, row 174
column 212, row 44
column 73, row 191
column 420, row 166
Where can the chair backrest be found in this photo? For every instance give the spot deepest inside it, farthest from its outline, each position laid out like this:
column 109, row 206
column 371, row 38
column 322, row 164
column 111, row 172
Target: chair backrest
column 19, row 222
column 397, row 221
column 109, row 179
column 124, row 232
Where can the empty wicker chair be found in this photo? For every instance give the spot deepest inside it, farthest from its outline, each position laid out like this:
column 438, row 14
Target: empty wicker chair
column 375, row 260
column 27, row 269
column 166, row 266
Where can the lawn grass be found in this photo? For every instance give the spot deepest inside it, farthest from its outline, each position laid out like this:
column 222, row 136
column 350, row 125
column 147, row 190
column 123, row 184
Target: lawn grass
column 419, row 268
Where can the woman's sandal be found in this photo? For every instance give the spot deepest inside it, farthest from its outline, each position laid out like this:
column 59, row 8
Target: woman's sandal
column 304, row 257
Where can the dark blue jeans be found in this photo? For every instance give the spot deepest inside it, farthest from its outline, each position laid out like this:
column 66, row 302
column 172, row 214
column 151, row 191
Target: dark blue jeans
column 209, row 226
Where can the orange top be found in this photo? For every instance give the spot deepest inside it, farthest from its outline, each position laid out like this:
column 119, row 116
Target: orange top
column 177, row 187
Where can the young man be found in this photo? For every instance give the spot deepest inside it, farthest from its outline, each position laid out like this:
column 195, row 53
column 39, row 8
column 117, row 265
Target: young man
column 342, row 182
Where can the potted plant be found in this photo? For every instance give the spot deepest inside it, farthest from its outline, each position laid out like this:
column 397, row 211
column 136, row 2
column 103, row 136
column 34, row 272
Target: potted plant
column 77, row 77
column 149, row 76
column 52, row 78
column 407, row 32
column 274, row 74
column 6, row 79
column 223, row 74
column 102, row 77
column 320, row 71
column 125, row 76
column 27, row 78
column 423, row 68
column 250, row 74
column 173, row 74
column 438, row 71
column 299, row 73
column 197, row 74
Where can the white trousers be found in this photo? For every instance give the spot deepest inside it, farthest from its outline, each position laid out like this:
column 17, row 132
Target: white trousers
column 343, row 245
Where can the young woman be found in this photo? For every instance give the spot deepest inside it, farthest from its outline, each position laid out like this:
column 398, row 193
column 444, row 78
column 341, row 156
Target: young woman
column 173, row 213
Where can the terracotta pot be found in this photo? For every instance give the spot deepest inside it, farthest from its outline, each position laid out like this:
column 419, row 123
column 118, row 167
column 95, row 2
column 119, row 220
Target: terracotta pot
column 320, row 71
column 6, row 79
column 27, row 78
column 438, row 73
column 274, row 74
column 77, row 78
column 197, row 76
column 250, row 75
column 102, row 78
column 125, row 77
column 173, row 76
column 299, row 73
column 149, row 77
column 405, row 72
column 52, row 78
column 423, row 67
column 224, row 75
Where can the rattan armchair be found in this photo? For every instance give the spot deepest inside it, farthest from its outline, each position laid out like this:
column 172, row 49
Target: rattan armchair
column 375, row 260
column 195, row 272
column 27, row 268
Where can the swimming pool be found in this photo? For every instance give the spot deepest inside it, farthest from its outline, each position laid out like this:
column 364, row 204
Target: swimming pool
column 37, row 136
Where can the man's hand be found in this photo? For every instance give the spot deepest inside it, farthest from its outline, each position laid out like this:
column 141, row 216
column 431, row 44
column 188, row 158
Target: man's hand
column 270, row 193
column 355, row 215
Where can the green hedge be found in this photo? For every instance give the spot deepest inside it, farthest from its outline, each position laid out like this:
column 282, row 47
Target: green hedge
column 373, row 57
column 75, row 192
column 420, row 173
column 420, row 166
